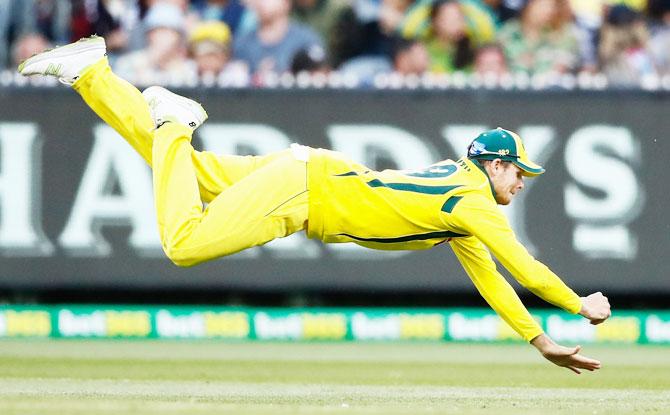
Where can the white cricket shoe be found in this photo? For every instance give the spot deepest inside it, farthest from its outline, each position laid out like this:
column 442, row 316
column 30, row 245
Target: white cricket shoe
column 168, row 106
column 66, row 62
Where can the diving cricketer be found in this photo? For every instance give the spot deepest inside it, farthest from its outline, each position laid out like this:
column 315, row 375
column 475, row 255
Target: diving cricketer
column 253, row 200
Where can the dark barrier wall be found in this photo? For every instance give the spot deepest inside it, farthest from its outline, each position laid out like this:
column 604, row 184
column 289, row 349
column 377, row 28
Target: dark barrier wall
column 76, row 205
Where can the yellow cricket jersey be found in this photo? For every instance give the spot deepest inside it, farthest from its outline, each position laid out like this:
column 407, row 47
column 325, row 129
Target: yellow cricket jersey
column 417, row 209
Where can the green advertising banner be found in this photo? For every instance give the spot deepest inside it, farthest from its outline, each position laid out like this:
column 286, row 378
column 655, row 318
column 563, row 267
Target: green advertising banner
column 318, row 324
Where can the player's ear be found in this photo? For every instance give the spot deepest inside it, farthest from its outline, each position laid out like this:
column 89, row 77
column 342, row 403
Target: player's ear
column 496, row 164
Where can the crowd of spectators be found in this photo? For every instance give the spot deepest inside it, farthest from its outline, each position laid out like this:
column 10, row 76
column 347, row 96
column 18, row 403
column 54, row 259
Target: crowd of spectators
column 257, row 42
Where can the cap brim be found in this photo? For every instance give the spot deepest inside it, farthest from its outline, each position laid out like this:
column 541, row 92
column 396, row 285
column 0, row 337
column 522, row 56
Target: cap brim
column 529, row 168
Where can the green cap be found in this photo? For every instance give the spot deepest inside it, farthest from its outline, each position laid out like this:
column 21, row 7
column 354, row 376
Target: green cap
column 505, row 145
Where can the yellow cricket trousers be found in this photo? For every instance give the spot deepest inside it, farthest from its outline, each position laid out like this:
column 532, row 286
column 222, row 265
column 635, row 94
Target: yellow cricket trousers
column 251, row 199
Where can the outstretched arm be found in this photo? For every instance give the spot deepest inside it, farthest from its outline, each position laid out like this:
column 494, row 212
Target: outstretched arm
column 481, row 218
column 536, row 276
column 490, row 228
column 503, row 299
column 495, row 289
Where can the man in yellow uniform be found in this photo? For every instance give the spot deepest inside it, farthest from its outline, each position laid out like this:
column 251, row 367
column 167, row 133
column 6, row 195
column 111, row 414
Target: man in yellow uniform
column 253, row 200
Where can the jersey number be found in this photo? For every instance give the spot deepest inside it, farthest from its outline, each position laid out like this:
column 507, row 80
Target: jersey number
column 433, row 172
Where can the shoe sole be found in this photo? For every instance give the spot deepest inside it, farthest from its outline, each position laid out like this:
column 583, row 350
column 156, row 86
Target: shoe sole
column 163, row 94
column 73, row 49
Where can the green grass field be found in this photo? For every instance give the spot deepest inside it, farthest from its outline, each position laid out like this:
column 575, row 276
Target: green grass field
column 159, row 377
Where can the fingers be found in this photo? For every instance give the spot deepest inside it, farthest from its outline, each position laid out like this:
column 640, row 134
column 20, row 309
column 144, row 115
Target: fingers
column 606, row 301
column 579, row 372
column 570, row 358
column 577, row 362
column 603, row 309
column 585, row 363
column 590, row 366
column 596, row 308
column 586, row 360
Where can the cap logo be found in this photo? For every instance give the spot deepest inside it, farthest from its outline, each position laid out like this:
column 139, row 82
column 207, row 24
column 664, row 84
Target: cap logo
column 477, row 148
column 503, row 151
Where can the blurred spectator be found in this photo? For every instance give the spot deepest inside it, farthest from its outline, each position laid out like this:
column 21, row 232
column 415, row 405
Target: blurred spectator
column 588, row 16
column 490, row 61
column 366, row 31
column 115, row 20
column 164, row 59
column 320, row 15
column 659, row 44
column 16, row 19
column 210, row 45
column 27, row 46
column 481, row 20
column 312, row 60
column 392, row 13
column 543, row 40
column 363, row 37
column 449, row 44
column 410, row 57
column 327, row 17
column 365, row 68
column 146, row 5
column 381, row 32
column 624, row 47
column 504, row 9
column 343, row 41
column 53, row 19
column 118, row 21
column 229, row 12
column 271, row 47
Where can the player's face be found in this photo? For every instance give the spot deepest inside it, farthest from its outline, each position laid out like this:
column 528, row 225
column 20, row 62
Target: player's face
column 507, row 180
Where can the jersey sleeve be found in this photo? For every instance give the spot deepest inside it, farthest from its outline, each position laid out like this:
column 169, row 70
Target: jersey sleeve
column 481, row 218
column 497, row 292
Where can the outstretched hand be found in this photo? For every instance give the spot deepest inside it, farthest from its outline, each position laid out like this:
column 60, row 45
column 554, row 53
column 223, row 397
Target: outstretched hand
column 567, row 357
column 596, row 308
